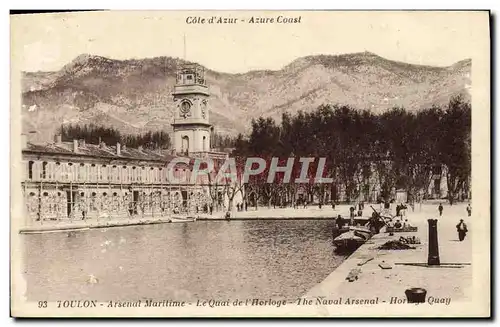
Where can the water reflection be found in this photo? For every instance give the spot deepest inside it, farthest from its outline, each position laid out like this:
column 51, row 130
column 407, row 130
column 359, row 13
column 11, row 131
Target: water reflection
column 202, row 260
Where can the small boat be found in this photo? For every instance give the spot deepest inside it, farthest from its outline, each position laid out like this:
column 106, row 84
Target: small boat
column 351, row 240
column 402, row 229
column 338, row 231
column 362, row 232
column 182, row 219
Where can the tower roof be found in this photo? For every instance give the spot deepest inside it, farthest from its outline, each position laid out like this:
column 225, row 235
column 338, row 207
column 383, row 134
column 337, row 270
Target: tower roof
column 189, row 74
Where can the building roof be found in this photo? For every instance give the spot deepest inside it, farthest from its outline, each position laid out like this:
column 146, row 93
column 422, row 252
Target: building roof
column 101, row 151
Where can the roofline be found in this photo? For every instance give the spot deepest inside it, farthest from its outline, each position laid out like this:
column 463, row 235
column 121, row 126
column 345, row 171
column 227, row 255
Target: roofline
column 192, row 124
column 73, row 154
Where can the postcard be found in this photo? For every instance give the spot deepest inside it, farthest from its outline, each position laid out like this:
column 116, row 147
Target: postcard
column 250, row 164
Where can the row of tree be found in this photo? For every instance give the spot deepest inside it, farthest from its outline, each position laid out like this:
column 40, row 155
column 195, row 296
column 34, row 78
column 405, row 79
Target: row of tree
column 94, row 134
column 222, row 141
column 398, row 148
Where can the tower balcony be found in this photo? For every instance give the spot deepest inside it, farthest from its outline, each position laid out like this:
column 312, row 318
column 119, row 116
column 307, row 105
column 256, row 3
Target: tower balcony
column 191, row 122
column 185, row 89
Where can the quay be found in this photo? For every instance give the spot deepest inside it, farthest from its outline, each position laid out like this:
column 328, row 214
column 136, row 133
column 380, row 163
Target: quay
column 451, row 282
column 309, row 213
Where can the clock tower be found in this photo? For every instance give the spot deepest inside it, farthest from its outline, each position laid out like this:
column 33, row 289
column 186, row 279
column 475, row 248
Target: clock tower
column 191, row 125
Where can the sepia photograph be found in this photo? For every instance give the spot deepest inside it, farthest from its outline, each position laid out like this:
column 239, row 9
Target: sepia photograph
column 250, row 164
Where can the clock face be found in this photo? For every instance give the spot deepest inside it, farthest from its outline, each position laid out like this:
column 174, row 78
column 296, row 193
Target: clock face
column 185, row 108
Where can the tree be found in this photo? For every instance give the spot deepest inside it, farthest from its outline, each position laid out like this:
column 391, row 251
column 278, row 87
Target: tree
column 425, row 134
column 349, row 141
column 455, row 146
column 235, row 183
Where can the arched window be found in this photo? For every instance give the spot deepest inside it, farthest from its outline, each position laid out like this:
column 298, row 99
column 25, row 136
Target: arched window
column 185, row 144
column 44, row 170
column 93, row 172
column 51, row 170
column 50, row 167
column 109, row 174
column 58, row 173
column 30, row 169
column 81, row 172
column 102, row 171
column 142, row 175
column 125, row 174
column 70, row 171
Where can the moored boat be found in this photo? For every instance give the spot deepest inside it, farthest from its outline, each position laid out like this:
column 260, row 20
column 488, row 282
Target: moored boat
column 352, row 239
column 182, row 219
column 362, row 232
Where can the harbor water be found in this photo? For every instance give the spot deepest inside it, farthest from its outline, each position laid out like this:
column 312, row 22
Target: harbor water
column 184, row 261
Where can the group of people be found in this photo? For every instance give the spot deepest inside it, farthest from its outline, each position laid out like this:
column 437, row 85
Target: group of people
column 401, row 210
column 398, row 224
column 352, row 210
column 242, row 206
column 461, row 226
column 468, row 208
column 401, row 224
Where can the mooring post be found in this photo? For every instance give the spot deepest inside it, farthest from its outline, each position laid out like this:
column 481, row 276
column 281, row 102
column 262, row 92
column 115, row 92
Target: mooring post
column 433, row 257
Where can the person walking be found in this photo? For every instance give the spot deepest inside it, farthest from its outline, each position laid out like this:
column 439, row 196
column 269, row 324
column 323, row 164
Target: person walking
column 83, row 205
column 469, row 210
column 440, row 208
column 403, row 210
column 339, row 222
column 398, row 210
column 351, row 215
column 462, row 230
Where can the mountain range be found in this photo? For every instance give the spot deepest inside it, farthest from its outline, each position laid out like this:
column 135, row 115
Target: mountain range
column 134, row 96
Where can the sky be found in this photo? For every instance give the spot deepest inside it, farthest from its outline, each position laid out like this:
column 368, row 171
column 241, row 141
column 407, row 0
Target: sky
column 46, row 42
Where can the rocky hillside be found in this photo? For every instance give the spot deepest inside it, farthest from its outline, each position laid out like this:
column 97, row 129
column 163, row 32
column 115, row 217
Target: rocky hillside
column 134, row 95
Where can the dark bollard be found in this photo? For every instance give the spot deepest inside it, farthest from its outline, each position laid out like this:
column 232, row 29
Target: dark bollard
column 416, row 295
column 433, row 257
